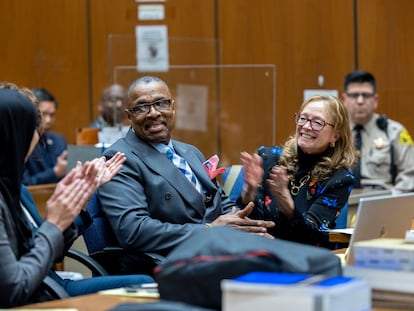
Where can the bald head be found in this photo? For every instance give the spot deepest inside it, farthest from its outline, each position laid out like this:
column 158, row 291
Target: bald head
column 112, row 104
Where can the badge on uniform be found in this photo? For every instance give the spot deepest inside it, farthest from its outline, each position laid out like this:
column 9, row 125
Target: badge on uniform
column 379, row 143
column 405, row 138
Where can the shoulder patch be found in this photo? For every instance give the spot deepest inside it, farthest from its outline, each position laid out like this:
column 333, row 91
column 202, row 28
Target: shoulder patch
column 405, row 138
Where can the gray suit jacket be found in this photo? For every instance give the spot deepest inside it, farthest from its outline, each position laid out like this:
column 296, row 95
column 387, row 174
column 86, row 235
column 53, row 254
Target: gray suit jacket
column 150, row 204
column 22, row 274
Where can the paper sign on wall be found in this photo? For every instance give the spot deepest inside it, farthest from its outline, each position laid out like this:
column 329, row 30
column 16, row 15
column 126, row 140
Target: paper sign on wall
column 152, row 48
column 309, row 93
column 151, row 12
column 191, row 110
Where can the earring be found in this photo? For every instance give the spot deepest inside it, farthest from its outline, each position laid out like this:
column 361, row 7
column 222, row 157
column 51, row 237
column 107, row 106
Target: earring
column 332, row 145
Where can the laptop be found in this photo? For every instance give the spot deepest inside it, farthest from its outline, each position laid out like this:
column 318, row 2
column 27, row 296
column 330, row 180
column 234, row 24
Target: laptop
column 387, row 216
column 81, row 153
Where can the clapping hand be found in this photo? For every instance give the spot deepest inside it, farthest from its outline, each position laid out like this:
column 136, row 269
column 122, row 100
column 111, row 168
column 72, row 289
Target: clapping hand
column 253, row 175
column 110, row 168
column 73, row 191
column 278, row 186
column 253, row 169
column 97, row 172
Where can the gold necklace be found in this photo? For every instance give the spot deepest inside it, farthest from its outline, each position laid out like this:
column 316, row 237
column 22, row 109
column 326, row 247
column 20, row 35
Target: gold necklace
column 294, row 190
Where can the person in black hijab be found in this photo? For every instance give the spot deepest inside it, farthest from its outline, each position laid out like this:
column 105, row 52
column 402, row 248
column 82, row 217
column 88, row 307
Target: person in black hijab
column 27, row 258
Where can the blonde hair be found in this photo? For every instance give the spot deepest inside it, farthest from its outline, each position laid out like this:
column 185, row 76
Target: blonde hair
column 343, row 154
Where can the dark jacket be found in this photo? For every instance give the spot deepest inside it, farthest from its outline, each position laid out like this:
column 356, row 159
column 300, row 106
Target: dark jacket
column 150, row 204
column 39, row 166
column 317, row 204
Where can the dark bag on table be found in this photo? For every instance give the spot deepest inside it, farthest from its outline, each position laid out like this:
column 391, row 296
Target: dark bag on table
column 192, row 272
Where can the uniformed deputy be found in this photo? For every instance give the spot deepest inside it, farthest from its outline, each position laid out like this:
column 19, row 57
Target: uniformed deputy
column 387, row 151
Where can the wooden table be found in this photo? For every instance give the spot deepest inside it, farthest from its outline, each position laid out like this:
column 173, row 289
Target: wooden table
column 97, row 302
column 93, row 302
column 40, row 195
column 339, row 237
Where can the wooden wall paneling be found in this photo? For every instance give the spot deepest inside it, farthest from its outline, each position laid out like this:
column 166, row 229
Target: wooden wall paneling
column 205, row 136
column 247, row 110
column 386, row 49
column 107, row 18
column 303, row 38
column 199, row 76
column 116, row 21
column 45, row 45
column 191, row 29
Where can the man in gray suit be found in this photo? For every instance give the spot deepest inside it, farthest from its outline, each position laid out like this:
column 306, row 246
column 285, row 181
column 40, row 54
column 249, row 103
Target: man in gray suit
column 151, row 206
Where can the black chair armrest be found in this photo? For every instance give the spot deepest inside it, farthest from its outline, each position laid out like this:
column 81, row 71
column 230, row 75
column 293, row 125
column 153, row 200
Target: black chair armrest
column 90, row 263
column 113, row 249
column 110, row 258
column 54, row 288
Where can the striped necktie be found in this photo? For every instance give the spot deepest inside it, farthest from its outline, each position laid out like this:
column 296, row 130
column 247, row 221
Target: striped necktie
column 183, row 166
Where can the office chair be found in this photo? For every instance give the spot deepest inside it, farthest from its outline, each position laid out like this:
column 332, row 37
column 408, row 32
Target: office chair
column 87, row 136
column 90, row 263
column 342, row 219
column 101, row 241
column 78, row 256
column 54, row 289
column 103, row 246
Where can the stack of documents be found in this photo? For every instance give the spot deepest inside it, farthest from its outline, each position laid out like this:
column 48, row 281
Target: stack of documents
column 267, row 291
column 390, row 254
column 387, row 265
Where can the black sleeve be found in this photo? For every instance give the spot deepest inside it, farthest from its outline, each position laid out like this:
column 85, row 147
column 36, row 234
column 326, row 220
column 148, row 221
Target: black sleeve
column 263, row 209
column 330, row 197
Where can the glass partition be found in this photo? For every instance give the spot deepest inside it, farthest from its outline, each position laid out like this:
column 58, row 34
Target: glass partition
column 122, row 50
column 221, row 109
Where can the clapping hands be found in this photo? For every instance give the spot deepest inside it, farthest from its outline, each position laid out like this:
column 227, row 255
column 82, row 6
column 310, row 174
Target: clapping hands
column 110, row 168
column 73, row 191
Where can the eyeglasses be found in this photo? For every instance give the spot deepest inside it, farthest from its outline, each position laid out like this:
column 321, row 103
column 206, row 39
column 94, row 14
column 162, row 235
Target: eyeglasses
column 144, row 108
column 316, row 124
column 113, row 99
column 356, row 95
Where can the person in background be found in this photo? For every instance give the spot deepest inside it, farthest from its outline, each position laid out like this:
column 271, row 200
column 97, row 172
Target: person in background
column 155, row 203
column 111, row 107
column 111, row 120
column 303, row 186
column 48, row 162
column 27, row 255
column 386, row 147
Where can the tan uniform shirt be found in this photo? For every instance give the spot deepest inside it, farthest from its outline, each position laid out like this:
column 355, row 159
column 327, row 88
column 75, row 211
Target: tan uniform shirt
column 376, row 156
